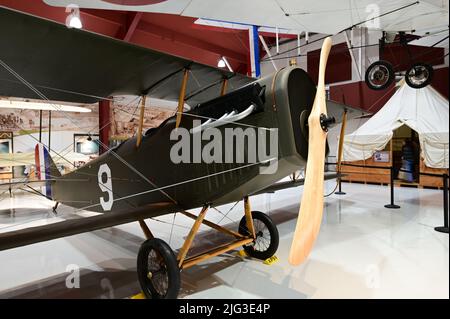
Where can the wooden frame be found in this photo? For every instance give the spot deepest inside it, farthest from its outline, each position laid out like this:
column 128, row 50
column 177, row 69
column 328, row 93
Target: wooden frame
column 148, row 234
column 240, row 240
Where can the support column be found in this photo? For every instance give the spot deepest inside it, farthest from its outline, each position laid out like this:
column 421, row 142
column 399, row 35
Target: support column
column 254, row 51
column 104, row 124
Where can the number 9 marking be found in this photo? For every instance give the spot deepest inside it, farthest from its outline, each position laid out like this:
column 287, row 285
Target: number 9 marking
column 105, row 186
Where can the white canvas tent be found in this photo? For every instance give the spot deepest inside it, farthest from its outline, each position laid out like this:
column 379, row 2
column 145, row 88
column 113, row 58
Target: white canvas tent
column 423, row 110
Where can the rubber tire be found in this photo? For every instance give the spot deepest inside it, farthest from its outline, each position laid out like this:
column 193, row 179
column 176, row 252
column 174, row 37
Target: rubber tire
column 424, row 84
column 171, row 263
column 391, row 75
column 274, row 236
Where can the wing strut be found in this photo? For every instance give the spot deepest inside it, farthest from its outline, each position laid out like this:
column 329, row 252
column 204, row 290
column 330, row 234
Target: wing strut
column 141, row 122
column 223, row 89
column 181, row 98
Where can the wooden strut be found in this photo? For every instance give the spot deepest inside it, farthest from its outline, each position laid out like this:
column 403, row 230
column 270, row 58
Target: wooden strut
column 223, row 89
column 214, row 226
column 190, row 238
column 148, row 234
column 241, row 240
column 248, row 217
column 141, row 122
column 215, row 252
column 182, row 97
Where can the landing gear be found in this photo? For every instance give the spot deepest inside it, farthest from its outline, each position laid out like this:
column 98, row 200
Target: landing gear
column 266, row 236
column 379, row 75
column 157, row 268
column 419, row 75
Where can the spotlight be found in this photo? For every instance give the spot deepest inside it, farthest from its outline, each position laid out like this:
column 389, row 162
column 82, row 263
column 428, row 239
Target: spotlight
column 221, row 64
column 73, row 19
column 75, row 22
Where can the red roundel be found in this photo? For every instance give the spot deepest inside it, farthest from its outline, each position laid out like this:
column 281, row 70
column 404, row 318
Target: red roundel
column 134, row 2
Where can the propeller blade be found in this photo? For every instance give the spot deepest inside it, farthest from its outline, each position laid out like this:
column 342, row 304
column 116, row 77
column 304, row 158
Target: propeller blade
column 311, row 206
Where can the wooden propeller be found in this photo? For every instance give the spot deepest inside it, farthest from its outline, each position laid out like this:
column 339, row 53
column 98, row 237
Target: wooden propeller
column 311, row 206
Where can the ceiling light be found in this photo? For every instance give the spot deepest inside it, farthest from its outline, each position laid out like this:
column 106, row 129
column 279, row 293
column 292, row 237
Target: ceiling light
column 221, row 64
column 73, row 19
column 75, row 22
column 5, row 104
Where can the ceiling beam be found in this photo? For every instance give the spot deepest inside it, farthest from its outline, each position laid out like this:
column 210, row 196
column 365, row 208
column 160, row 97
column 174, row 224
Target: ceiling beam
column 165, row 34
column 132, row 26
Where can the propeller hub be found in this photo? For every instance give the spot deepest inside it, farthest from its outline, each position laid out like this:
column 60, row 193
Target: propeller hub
column 326, row 121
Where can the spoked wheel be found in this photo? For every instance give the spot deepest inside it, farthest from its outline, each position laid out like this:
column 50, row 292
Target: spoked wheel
column 380, row 75
column 157, row 268
column 267, row 237
column 419, row 75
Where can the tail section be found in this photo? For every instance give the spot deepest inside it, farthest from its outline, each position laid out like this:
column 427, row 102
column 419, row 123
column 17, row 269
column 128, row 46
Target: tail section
column 45, row 168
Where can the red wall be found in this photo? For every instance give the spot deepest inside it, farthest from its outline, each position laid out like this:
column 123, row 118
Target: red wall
column 339, row 66
column 398, row 55
column 358, row 94
column 440, row 81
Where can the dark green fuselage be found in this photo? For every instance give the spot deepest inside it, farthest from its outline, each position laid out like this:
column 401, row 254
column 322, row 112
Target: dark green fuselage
column 280, row 100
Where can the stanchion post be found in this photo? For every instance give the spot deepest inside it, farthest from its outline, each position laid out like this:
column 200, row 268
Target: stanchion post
column 444, row 229
column 340, row 192
column 392, row 204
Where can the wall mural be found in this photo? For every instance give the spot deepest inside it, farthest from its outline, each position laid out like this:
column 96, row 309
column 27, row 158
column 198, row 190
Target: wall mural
column 125, row 119
column 22, row 121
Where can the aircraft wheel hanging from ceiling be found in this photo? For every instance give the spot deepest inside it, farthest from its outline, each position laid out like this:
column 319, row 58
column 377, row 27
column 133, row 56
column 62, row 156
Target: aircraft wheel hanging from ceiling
column 267, row 236
column 419, row 75
column 379, row 75
column 158, row 272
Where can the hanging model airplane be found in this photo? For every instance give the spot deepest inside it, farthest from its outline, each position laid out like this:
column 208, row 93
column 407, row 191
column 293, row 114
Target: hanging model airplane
column 419, row 18
column 139, row 179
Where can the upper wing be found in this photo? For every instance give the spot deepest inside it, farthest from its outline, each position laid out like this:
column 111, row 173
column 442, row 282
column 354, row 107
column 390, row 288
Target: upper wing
column 71, row 227
column 324, row 16
column 80, row 66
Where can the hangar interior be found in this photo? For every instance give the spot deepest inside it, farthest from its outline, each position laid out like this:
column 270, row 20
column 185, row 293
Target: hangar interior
column 92, row 93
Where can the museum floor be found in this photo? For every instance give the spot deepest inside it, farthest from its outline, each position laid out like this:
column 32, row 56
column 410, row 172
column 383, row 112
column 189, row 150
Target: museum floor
column 363, row 251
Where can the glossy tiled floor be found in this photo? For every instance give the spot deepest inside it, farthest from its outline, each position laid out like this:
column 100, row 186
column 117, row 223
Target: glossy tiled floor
column 363, row 251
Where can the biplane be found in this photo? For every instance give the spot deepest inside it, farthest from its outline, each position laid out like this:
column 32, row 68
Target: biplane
column 425, row 19
column 137, row 180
